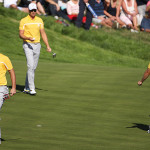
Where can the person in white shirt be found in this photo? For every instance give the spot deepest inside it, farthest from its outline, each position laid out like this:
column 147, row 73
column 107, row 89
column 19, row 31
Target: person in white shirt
column 73, row 7
column 13, row 4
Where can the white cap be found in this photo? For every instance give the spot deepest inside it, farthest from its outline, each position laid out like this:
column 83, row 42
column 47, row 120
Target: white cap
column 32, row 6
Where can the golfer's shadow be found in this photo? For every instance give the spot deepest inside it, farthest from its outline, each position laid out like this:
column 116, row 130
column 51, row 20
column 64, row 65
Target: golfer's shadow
column 2, row 140
column 21, row 88
column 140, row 126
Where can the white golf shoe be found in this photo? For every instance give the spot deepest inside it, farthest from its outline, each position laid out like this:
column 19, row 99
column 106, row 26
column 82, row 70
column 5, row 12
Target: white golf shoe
column 32, row 92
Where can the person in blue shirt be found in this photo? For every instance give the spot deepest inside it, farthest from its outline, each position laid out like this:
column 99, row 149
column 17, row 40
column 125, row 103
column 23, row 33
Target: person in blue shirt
column 99, row 10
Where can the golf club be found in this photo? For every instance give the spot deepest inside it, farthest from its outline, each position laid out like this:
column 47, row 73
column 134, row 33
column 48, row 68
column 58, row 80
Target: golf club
column 54, row 54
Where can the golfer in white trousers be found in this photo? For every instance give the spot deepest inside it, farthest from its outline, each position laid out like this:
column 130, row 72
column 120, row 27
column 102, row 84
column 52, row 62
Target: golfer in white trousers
column 30, row 29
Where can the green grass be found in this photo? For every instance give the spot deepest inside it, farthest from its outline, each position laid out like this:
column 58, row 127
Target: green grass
column 72, row 45
column 87, row 97
column 78, row 107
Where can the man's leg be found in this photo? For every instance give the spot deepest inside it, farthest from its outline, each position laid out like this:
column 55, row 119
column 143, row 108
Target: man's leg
column 89, row 16
column 1, row 99
column 88, row 20
column 3, row 94
column 28, row 49
column 82, row 6
column 36, row 55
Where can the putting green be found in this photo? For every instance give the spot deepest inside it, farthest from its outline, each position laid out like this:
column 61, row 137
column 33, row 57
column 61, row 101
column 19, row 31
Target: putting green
column 77, row 107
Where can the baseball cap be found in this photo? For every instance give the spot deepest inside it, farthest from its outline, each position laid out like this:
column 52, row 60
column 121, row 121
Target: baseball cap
column 32, row 6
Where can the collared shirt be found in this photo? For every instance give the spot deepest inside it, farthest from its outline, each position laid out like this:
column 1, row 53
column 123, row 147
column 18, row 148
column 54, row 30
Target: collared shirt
column 5, row 64
column 32, row 28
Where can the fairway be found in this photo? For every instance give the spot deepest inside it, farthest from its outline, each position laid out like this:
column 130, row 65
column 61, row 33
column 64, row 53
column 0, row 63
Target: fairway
column 77, row 107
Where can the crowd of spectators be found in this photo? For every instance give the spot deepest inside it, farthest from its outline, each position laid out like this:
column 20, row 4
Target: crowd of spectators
column 130, row 14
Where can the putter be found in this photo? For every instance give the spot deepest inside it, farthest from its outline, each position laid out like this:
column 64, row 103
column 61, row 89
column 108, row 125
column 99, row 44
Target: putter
column 54, row 54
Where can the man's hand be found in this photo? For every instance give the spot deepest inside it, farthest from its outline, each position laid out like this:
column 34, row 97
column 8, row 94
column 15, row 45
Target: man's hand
column 86, row 1
column 12, row 92
column 98, row 1
column 31, row 39
column 57, row 7
column 49, row 49
column 139, row 83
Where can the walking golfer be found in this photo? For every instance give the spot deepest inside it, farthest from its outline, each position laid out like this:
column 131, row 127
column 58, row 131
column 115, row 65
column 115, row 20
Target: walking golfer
column 145, row 76
column 5, row 65
column 30, row 29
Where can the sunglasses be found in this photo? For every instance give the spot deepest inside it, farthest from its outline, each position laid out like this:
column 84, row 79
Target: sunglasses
column 33, row 10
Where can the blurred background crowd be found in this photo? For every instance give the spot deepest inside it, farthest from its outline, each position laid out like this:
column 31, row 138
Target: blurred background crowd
column 125, row 14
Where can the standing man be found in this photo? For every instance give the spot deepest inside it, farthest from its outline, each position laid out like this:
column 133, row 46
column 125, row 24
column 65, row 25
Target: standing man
column 145, row 76
column 31, row 27
column 89, row 16
column 5, row 65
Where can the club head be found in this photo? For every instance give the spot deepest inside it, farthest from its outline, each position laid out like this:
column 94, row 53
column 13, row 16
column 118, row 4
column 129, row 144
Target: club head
column 54, row 55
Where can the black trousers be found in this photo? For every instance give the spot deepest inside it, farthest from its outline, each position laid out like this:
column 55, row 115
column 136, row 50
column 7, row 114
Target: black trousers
column 89, row 16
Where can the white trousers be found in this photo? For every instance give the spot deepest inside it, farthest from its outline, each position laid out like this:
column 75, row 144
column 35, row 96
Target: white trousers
column 3, row 92
column 32, row 52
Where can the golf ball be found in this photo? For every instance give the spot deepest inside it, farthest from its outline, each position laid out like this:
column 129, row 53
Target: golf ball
column 33, row 38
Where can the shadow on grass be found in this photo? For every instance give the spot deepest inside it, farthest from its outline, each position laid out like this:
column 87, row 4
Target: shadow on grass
column 21, row 88
column 140, row 126
column 3, row 140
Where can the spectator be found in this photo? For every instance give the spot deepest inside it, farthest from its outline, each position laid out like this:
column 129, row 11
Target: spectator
column 89, row 16
column 73, row 7
column 25, row 3
column 130, row 14
column 145, row 25
column 63, row 5
column 73, row 11
column 5, row 65
column 142, row 6
column 99, row 10
column 112, row 10
column 52, row 8
column 13, row 4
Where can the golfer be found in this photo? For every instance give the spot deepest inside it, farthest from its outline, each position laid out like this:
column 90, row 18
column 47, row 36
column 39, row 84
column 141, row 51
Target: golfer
column 145, row 76
column 5, row 65
column 30, row 29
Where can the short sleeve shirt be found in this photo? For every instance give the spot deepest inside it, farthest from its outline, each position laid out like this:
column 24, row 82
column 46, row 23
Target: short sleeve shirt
column 5, row 64
column 32, row 28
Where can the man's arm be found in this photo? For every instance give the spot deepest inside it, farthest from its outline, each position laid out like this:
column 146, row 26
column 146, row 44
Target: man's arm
column 45, row 39
column 53, row 3
column 22, row 36
column 13, row 81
